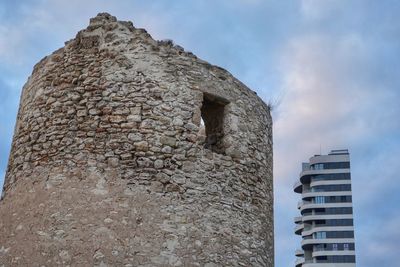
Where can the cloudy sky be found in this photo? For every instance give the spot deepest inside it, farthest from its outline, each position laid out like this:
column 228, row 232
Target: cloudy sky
column 330, row 67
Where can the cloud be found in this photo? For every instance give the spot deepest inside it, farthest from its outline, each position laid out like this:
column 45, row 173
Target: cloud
column 317, row 9
column 249, row 2
column 9, row 45
column 8, row 105
column 285, row 240
column 314, row 102
column 327, row 99
column 377, row 181
column 378, row 247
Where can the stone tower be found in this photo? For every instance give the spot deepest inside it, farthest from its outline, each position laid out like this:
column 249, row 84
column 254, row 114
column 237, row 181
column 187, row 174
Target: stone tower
column 133, row 152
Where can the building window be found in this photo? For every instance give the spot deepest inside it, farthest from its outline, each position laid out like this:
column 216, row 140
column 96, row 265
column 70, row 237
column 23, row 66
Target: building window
column 331, row 188
column 334, row 246
column 318, row 166
column 319, row 199
column 330, row 165
column 331, row 176
column 320, row 235
column 345, row 246
column 340, row 234
column 319, row 247
column 212, row 114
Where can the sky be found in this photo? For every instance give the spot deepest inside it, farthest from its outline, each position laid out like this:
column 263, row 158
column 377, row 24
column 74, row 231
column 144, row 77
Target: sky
column 330, row 68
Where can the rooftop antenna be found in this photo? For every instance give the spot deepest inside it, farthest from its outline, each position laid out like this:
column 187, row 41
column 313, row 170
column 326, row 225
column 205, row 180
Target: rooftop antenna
column 320, row 149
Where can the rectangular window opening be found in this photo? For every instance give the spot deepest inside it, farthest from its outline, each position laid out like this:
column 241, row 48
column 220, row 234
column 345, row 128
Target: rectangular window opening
column 212, row 115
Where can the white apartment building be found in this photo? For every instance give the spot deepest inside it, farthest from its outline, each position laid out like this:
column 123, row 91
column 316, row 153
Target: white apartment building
column 326, row 213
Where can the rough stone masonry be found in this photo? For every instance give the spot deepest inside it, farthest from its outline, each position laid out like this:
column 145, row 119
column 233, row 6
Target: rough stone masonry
column 133, row 152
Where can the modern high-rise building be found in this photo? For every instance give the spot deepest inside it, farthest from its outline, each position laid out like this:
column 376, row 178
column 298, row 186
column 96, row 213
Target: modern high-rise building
column 326, row 221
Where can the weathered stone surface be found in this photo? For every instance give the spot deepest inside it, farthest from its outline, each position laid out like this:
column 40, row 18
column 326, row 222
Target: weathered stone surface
column 169, row 141
column 111, row 166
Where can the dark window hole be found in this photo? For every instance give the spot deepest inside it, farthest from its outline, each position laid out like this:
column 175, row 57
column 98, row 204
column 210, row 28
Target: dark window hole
column 212, row 118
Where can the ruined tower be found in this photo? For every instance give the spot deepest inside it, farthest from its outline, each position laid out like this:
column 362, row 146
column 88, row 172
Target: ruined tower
column 133, row 152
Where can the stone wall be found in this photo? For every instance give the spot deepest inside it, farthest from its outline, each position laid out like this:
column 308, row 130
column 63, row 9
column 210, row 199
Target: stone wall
column 111, row 164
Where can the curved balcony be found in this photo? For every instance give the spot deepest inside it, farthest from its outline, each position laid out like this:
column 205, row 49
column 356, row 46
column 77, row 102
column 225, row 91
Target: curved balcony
column 299, row 252
column 307, row 244
column 333, row 253
column 323, row 264
column 329, row 158
column 309, row 205
column 329, row 182
column 298, row 219
column 307, row 218
column 327, row 229
column 299, row 262
column 309, row 194
column 298, row 229
column 300, row 204
column 305, row 175
column 297, row 187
